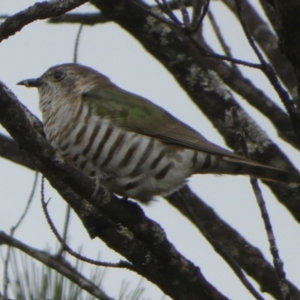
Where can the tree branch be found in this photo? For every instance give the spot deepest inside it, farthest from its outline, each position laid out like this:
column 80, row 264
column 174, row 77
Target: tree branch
column 248, row 257
column 80, row 18
column 10, row 150
column 38, row 11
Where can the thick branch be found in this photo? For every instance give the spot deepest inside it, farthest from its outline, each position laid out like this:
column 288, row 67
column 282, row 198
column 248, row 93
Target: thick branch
column 79, row 18
column 9, row 149
column 248, row 257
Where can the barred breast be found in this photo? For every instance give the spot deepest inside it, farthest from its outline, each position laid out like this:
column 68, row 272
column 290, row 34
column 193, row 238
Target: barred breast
column 128, row 163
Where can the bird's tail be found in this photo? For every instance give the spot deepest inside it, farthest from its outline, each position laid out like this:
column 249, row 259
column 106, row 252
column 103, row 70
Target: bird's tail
column 236, row 166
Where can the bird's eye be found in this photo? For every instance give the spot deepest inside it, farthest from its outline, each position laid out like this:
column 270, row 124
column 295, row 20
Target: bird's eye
column 58, row 75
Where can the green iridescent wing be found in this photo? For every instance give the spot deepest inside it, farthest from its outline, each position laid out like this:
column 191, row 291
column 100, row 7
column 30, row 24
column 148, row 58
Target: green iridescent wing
column 139, row 115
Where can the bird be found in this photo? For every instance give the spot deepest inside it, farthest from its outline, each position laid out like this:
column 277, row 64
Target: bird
column 134, row 147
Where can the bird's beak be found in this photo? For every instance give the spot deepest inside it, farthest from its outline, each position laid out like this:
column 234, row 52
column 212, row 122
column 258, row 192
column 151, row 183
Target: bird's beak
column 36, row 82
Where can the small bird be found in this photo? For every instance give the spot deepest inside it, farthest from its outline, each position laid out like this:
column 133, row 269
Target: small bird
column 135, row 148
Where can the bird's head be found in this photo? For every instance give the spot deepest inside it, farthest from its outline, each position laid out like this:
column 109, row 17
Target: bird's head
column 65, row 80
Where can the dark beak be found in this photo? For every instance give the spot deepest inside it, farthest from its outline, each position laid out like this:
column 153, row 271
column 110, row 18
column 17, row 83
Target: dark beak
column 37, row 82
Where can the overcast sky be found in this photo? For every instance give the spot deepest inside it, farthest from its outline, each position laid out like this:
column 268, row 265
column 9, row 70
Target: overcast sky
column 110, row 50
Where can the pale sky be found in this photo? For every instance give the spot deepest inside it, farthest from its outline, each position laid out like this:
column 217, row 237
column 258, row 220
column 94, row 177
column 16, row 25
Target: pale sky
column 110, row 50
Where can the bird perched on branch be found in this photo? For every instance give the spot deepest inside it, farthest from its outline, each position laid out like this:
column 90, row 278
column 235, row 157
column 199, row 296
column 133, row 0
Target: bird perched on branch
column 135, row 147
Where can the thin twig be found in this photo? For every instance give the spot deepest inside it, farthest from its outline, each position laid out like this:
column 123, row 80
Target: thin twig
column 12, row 231
column 65, row 229
column 29, row 201
column 247, row 33
column 121, row 264
column 164, row 6
column 218, row 247
column 221, row 40
column 184, row 13
column 153, row 14
column 167, row 6
column 224, row 57
column 270, row 74
column 76, row 46
column 278, row 263
column 198, row 23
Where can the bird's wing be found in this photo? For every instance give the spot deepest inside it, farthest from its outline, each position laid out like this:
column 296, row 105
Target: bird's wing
column 139, row 115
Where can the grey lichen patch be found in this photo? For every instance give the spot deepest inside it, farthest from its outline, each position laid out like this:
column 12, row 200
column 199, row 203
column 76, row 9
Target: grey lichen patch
column 148, row 258
column 154, row 26
column 294, row 93
column 125, row 232
column 180, row 57
column 88, row 207
column 196, row 75
column 209, row 80
column 257, row 139
column 216, row 85
column 177, row 58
